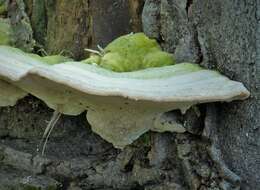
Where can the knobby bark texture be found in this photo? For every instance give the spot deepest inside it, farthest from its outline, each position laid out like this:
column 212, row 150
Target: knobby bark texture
column 221, row 149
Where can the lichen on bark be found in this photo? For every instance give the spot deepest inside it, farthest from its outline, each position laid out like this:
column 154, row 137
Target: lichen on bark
column 20, row 24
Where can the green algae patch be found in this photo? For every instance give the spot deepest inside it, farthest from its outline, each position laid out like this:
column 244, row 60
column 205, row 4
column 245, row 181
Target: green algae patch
column 132, row 52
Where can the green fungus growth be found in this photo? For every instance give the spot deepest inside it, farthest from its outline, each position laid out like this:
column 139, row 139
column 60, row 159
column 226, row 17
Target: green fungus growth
column 93, row 59
column 131, row 52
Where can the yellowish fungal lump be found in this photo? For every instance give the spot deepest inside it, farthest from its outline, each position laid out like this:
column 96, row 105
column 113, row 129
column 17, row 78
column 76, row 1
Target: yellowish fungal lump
column 132, row 52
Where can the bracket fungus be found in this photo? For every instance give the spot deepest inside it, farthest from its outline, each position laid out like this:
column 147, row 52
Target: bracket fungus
column 120, row 106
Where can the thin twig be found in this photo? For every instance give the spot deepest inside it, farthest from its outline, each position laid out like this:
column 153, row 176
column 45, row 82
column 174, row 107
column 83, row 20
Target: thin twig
column 54, row 119
column 43, row 52
column 93, row 51
column 102, row 51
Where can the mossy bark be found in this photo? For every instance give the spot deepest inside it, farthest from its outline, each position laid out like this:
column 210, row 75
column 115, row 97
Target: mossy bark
column 220, row 149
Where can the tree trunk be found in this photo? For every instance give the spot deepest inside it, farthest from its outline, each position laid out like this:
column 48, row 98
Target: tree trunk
column 221, row 149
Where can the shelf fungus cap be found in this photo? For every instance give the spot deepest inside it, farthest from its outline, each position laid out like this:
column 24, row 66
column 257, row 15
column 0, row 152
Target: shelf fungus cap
column 11, row 71
column 14, row 65
column 123, row 106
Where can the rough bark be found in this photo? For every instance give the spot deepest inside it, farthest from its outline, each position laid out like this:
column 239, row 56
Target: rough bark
column 223, row 35
column 221, row 149
column 70, row 26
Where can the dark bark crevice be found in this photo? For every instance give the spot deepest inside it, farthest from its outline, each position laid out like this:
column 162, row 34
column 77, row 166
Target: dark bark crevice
column 188, row 5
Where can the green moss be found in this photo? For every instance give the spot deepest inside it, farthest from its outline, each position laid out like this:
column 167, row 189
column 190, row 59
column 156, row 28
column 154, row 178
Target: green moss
column 133, row 52
column 5, row 32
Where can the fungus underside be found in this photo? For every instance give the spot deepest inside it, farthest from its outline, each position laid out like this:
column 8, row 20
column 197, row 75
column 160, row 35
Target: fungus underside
column 121, row 105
